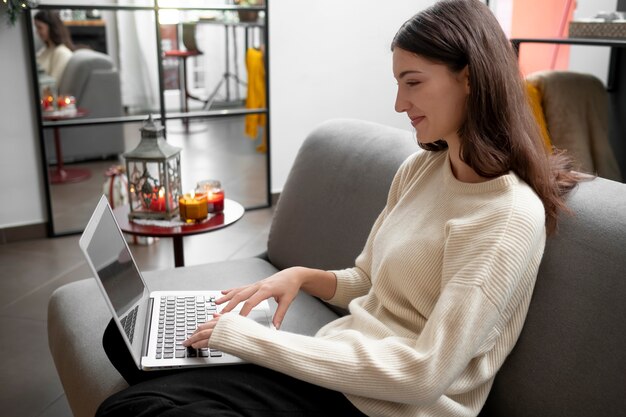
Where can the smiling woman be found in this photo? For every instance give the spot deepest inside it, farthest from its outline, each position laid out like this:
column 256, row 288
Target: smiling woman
column 435, row 99
column 440, row 291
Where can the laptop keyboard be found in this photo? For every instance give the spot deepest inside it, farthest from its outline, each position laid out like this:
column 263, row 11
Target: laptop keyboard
column 129, row 323
column 178, row 319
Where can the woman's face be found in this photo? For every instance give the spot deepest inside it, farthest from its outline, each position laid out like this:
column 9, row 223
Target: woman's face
column 42, row 30
column 434, row 98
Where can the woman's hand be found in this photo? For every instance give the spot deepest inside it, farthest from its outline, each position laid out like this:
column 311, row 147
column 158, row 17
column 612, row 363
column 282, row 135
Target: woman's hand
column 282, row 286
column 200, row 338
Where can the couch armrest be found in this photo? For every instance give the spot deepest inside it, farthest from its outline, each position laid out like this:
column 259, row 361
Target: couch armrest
column 77, row 317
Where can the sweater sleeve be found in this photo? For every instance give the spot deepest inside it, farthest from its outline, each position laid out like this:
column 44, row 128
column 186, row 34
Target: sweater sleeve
column 356, row 281
column 400, row 369
column 397, row 366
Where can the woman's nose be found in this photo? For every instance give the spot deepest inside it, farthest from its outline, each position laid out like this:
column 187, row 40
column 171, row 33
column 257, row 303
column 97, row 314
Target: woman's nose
column 401, row 104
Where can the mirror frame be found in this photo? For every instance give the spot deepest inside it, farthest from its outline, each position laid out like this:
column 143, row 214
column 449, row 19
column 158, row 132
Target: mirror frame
column 163, row 115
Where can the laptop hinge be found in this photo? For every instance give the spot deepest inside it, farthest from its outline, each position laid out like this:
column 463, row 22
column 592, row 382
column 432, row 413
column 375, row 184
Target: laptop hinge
column 146, row 336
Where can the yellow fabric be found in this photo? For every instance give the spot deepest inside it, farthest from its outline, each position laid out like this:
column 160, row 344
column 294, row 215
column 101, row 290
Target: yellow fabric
column 256, row 93
column 534, row 96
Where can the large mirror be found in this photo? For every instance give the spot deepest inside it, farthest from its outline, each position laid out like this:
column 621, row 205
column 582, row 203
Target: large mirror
column 101, row 71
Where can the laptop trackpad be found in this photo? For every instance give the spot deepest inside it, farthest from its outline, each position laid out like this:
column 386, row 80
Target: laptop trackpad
column 262, row 317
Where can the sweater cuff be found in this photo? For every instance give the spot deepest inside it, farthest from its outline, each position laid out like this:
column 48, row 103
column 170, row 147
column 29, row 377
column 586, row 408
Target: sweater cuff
column 232, row 330
column 350, row 285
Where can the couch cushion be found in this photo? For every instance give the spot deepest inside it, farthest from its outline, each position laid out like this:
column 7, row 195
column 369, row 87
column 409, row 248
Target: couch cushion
column 571, row 356
column 80, row 66
column 77, row 317
column 335, row 190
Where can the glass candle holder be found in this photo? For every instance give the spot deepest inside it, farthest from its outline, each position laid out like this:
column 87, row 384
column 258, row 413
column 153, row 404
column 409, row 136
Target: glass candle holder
column 193, row 207
column 214, row 194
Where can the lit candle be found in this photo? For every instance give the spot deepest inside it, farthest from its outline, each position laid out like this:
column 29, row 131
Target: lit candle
column 215, row 200
column 193, row 207
column 158, row 204
column 48, row 103
column 215, row 195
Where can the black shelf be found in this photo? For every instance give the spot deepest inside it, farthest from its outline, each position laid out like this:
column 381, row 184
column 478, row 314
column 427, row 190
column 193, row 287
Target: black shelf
column 606, row 42
column 615, row 43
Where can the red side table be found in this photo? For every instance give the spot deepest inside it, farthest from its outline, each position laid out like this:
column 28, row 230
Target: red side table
column 62, row 175
column 233, row 211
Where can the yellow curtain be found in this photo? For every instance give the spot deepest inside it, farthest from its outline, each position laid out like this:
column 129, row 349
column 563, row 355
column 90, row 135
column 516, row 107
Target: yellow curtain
column 256, row 95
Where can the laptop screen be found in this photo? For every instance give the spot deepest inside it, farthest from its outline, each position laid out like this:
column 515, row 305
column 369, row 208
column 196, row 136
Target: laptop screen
column 112, row 260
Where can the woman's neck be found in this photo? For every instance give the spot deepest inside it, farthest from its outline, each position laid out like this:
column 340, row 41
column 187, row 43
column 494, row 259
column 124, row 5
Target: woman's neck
column 460, row 169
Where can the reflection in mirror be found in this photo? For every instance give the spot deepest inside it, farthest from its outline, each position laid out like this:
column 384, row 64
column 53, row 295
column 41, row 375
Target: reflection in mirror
column 212, row 60
column 113, row 70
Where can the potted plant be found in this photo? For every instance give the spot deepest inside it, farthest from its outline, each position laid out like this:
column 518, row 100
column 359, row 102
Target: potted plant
column 248, row 15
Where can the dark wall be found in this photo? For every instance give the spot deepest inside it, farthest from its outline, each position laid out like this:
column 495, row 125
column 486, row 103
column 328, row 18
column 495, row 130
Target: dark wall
column 617, row 129
column 617, row 97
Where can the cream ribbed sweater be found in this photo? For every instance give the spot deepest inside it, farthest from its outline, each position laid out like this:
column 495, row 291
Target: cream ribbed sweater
column 437, row 298
column 53, row 60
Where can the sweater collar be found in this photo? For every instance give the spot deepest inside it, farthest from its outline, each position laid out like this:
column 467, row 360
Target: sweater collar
column 499, row 183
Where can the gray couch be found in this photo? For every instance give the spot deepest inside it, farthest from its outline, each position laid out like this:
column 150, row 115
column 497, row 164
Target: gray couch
column 570, row 359
column 91, row 77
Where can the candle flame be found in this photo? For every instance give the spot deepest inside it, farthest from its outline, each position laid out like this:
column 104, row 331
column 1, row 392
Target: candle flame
column 161, row 192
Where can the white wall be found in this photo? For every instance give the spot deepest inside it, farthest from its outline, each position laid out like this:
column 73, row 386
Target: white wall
column 330, row 59
column 22, row 194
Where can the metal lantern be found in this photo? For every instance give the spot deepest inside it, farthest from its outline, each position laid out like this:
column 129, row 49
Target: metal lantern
column 153, row 170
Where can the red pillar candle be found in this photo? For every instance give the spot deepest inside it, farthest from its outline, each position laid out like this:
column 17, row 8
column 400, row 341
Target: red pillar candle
column 158, row 204
column 215, row 200
column 214, row 193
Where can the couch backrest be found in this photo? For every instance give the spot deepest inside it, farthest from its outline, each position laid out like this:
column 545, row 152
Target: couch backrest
column 570, row 359
column 335, row 190
column 79, row 68
column 571, row 356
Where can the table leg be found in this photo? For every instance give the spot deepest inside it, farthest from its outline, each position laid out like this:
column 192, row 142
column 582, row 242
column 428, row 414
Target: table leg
column 179, row 254
column 61, row 175
column 57, row 149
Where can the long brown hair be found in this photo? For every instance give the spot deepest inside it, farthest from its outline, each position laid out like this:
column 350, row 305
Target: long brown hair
column 500, row 133
column 57, row 31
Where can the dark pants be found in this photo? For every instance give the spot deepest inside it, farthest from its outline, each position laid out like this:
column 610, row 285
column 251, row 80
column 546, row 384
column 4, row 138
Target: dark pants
column 236, row 390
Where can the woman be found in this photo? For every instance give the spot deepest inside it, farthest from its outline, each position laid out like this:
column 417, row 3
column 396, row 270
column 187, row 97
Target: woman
column 56, row 53
column 439, row 294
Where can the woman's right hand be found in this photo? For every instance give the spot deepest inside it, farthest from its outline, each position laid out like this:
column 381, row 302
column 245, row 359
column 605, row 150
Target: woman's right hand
column 283, row 287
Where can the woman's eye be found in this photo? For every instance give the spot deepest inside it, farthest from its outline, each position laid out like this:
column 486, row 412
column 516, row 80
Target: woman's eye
column 412, row 83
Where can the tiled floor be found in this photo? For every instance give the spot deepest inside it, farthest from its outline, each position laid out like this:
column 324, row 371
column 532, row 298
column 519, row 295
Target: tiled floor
column 31, row 270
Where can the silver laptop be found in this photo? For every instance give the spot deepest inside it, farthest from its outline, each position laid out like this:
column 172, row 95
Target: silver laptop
column 153, row 324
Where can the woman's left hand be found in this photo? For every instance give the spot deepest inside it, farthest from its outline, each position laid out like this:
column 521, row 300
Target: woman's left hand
column 200, row 338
